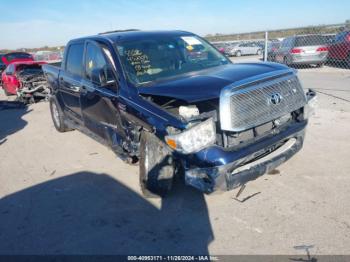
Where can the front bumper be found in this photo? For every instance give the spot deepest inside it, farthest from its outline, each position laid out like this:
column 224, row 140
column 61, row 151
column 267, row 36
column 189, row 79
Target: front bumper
column 246, row 166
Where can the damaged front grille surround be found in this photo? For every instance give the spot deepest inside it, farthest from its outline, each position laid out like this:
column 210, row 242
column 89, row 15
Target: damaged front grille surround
column 255, row 105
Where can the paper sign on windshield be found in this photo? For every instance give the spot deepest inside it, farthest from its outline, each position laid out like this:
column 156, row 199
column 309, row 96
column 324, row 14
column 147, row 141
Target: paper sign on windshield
column 190, row 40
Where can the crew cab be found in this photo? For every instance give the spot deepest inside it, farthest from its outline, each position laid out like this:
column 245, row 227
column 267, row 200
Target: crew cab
column 173, row 103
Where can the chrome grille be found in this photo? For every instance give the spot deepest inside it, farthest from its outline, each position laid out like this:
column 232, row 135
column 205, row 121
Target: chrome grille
column 264, row 102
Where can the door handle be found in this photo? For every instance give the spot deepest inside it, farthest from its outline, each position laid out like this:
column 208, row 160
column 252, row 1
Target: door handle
column 75, row 89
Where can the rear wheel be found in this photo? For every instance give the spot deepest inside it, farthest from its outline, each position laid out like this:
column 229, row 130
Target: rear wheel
column 348, row 61
column 259, row 52
column 58, row 116
column 156, row 166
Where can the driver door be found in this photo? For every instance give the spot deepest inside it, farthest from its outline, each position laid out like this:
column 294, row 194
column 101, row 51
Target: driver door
column 99, row 94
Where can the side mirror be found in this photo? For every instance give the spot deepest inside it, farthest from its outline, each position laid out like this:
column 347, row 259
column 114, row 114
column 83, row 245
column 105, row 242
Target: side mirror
column 98, row 76
column 102, row 76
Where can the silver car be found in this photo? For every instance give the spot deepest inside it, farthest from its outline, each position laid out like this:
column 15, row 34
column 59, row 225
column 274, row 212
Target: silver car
column 303, row 50
column 245, row 49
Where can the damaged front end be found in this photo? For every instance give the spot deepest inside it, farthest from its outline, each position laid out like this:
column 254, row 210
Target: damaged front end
column 249, row 154
column 33, row 86
column 230, row 141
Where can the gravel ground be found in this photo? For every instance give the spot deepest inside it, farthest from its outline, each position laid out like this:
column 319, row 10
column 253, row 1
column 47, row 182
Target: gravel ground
column 67, row 194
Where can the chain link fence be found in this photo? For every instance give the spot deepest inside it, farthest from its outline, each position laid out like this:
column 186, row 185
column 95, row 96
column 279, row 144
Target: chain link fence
column 313, row 46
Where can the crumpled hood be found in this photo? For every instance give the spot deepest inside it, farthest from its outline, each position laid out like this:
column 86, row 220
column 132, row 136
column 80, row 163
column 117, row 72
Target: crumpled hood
column 207, row 84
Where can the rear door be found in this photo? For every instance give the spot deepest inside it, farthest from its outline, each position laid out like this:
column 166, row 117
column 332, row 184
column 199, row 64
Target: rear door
column 99, row 94
column 70, row 80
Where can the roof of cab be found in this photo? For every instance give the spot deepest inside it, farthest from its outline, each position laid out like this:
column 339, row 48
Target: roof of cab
column 126, row 35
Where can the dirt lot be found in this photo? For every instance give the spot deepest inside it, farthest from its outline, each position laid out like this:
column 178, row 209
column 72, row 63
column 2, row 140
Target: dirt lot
column 65, row 193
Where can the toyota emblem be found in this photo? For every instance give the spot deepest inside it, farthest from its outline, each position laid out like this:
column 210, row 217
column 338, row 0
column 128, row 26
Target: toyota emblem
column 275, row 99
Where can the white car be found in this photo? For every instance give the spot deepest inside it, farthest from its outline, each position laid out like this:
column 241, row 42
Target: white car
column 245, row 49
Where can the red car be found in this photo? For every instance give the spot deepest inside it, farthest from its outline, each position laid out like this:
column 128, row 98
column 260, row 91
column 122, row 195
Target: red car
column 339, row 50
column 10, row 77
column 16, row 57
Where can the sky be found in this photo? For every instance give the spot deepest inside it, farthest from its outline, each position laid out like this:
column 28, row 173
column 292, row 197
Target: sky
column 37, row 23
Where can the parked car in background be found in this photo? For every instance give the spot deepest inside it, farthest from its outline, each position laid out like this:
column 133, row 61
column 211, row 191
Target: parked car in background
column 26, row 80
column 16, row 57
column 303, row 50
column 244, row 49
column 48, row 56
column 339, row 50
column 155, row 99
column 220, row 47
column 272, row 49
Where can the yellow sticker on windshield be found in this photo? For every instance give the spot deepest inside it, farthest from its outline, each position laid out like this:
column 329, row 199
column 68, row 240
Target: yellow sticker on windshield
column 91, row 64
column 189, row 48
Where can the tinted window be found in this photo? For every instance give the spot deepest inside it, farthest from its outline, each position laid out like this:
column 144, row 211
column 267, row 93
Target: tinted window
column 310, row 40
column 97, row 69
column 74, row 64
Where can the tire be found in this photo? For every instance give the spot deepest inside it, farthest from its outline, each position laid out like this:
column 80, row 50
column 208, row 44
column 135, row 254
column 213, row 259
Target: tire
column 320, row 65
column 58, row 116
column 348, row 61
column 238, row 54
column 259, row 52
column 156, row 167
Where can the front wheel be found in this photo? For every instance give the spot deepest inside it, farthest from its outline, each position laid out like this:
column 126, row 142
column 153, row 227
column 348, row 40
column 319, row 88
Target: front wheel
column 238, row 53
column 156, row 166
column 259, row 52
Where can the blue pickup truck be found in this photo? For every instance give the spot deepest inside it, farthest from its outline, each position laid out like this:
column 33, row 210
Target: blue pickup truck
column 169, row 101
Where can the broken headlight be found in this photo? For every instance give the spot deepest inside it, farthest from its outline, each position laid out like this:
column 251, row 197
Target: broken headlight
column 194, row 139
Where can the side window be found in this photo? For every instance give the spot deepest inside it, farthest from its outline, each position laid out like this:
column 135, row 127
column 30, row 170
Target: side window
column 97, row 69
column 74, row 63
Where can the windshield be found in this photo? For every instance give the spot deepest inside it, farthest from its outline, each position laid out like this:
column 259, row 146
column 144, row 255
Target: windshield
column 152, row 59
